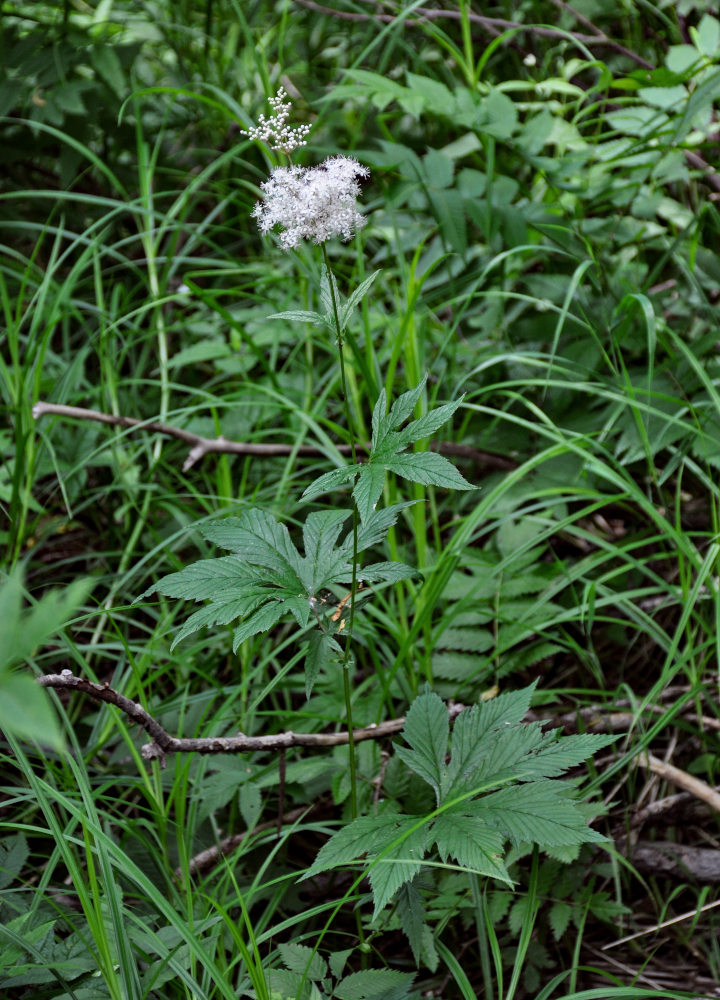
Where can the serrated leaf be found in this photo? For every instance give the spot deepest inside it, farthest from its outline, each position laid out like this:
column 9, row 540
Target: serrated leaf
column 429, row 469
column 355, row 297
column 330, row 481
column 472, row 843
column 427, row 424
column 337, row 960
column 306, row 961
column 378, row 416
column 473, row 735
column 322, row 649
column 368, row 489
column 559, row 918
column 404, row 405
column 261, row 540
column 457, row 666
column 426, row 733
column 558, row 755
column 320, row 534
column 374, row 530
column 374, row 984
column 300, row 316
column 390, row 842
column 412, row 918
column 220, row 613
column 389, row 572
column 367, row 834
column 262, row 620
column 399, row 862
column 541, row 812
column 473, row 640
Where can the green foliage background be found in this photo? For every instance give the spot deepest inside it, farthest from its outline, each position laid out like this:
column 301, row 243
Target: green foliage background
column 542, row 206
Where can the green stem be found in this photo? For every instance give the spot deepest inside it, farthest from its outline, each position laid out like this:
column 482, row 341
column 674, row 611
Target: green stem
column 353, row 585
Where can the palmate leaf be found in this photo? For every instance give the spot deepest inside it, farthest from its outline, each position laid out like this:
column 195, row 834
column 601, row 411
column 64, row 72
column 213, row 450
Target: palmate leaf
column 387, row 454
column 267, row 578
column 499, row 785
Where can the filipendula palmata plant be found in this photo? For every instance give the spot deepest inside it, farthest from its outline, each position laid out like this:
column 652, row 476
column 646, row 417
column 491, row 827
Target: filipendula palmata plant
column 500, row 780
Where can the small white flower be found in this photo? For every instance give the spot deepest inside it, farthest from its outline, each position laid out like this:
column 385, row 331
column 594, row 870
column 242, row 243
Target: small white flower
column 274, row 131
column 312, row 203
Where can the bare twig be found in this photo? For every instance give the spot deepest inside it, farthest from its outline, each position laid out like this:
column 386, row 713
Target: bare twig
column 681, row 779
column 202, row 446
column 162, row 742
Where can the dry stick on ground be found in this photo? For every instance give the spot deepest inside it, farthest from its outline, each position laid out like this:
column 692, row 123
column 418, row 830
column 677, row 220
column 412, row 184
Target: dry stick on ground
column 681, row 779
column 162, row 742
column 201, row 446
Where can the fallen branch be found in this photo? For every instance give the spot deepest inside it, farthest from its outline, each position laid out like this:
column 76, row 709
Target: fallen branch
column 662, row 858
column 681, row 779
column 201, row 446
column 163, row 743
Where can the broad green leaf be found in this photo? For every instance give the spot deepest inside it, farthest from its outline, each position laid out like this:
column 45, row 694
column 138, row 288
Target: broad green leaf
column 400, row 861
column 366, row 835
column 260, row 539
column 300, row 958
column 438, row 98
column 559, row 918
column 429, row 423
column 374, row 984
column 26, row 710
column 540, row 812
column 429, row 469
column 390, row 572
column 368, row 489
column 559, row 755
column 374, row 529
column 206, row 578
column 412, row 917
column 707, row 36
column 426, row 733
column 320, row 534
column 21, row 632
column 471, row 843
column 262, row 620
column 404, row 405
column 474, row 640
column 356, row 296
column 300, row 316
column 378, row 416
column 330, row 481
column 221, row 613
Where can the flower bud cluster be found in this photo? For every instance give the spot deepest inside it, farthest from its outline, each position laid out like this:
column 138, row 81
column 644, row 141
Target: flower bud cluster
column 312, row 203
column 275, row 131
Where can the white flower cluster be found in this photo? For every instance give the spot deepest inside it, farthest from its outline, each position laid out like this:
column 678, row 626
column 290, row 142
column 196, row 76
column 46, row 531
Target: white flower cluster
column 274, row 131
column 312, row 203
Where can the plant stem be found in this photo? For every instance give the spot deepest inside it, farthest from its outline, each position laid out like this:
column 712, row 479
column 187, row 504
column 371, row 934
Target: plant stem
column 353, row 584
